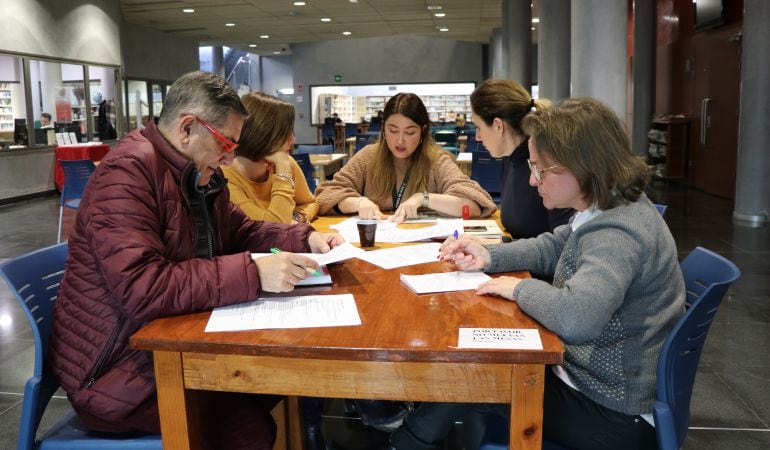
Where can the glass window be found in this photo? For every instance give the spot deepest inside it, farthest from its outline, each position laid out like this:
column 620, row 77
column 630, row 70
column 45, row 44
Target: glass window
column 138, row 107
column 13, row 107
column 103, row 105
column 157, row 99
column 58, row 90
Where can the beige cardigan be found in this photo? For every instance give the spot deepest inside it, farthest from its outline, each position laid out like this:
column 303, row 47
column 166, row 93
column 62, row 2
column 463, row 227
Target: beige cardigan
column 352, row 181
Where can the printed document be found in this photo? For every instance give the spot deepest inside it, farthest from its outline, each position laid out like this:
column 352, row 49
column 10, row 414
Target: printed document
column 503, row 338
column 408, row 255
column 444, row 281
column 344, row 251
column 389, row 232
column 286, row 312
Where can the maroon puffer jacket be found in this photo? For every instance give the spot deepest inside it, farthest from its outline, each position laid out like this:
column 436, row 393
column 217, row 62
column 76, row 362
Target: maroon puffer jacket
column 131, row 260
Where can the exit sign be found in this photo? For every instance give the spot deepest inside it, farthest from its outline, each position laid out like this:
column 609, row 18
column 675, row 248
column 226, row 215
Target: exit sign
column 337, row 78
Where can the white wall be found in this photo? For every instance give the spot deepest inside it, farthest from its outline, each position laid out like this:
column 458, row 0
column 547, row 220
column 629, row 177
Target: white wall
column 391, row 59
column 276, row 74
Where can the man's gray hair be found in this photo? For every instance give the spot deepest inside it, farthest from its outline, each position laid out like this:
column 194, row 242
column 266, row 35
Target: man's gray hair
column 202, row 94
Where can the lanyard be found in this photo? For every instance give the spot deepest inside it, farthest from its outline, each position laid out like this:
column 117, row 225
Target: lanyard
column 398, row 195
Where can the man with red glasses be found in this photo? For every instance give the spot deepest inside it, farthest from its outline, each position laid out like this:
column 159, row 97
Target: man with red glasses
column 157, row 235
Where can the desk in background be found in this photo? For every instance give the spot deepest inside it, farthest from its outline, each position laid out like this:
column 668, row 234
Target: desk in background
column 326, row 163
column 405, row 349
column 94, row 152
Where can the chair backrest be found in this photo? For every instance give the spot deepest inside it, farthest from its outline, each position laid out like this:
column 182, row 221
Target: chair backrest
column 351, row 129
column 329, row 130
column 362, row 140
column 707, row 276
column 303, row 160
column 445, row 137
column 76, row 175
column 375, row 124
column 471, row 144
column 34, row 280
column 314, row 149
column 661, row 208
column 487, row 171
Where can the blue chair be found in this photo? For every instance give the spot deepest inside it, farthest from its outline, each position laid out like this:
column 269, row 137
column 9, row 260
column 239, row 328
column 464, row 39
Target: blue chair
column 707, row 276
column 314, row 149
column 362, row 140
column 488, row 172
column 303, row 160
column 661, row 208
column 351, row 129
column 471, row 144
column 329, row 132
column 34, row 279
column 375, row 125
column 76, row 175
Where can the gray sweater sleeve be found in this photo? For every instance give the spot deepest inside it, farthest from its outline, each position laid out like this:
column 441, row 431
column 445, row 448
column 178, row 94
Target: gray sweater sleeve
column 538, row 255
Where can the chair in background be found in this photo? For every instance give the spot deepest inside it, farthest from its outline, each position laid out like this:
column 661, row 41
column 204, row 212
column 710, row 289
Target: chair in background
column 329, row 132
column 375, row 124
column 303, row 160
column 351, row 129
column 34, row 280
column 707, row 276
column 362, row 140
column 488, row 172
column 471, row 144
column 661, row 208
column 314, row 149
column 76, row 175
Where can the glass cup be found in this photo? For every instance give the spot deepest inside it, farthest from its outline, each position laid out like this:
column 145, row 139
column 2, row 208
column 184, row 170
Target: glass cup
column 366, row 230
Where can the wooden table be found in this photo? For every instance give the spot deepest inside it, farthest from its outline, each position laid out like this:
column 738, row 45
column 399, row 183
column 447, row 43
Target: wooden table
column 323, row 163
column 465, row 162
column 405, row 349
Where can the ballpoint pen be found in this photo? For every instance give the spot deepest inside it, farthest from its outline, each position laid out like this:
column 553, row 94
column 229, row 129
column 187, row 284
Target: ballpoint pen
column 457, row 235
column 310, row 270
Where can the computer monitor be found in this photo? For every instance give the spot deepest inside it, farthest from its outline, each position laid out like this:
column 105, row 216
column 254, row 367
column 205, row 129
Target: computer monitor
column 41, row 136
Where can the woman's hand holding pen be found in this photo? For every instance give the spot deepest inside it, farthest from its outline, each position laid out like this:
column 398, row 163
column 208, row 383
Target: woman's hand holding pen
column 281, row 271
column 466, row 253
column 323, row 242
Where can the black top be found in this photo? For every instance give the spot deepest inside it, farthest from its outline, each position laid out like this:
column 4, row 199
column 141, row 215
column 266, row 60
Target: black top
column 521, row 209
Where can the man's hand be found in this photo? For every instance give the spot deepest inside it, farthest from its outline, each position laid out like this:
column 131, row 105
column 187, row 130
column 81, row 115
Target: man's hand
column 323, row 242
column 280, row 272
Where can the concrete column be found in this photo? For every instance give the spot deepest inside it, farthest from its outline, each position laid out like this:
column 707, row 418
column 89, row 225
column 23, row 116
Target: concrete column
column 599, row 52
column 218, row 60
column 496, row 54
column 553, row 49
column 643, row 74
column 517, row 41
column 752, row 189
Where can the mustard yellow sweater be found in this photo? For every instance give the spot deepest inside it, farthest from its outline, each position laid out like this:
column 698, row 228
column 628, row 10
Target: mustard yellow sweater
column 272, row 200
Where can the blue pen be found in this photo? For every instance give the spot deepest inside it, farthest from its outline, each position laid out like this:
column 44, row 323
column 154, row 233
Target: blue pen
column 311, row 271
column 457, row 235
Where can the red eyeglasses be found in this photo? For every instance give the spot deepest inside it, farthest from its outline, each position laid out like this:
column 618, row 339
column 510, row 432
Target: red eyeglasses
column 226, row 142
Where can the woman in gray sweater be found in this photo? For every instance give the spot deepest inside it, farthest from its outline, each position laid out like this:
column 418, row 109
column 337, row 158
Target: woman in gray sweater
column 617, row 287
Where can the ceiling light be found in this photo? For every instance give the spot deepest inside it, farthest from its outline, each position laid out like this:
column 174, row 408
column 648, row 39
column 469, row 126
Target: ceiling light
column 299, row 3
column 353, row 1
column 533, row 28
column 346, row 33
column 443, row 29
column 265, row 36
column 276, row 52
column 229, row 24
column 535, row 20
column 431, row 8
column 326, row 19
column 252, row 45
column 188, row 10
column 440, row 14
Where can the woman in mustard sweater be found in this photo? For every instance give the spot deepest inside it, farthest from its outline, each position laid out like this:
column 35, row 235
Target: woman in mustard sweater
column 264, row 180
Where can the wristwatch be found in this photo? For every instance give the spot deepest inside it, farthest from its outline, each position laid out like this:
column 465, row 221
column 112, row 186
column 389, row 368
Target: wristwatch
column 299, row 217
column 425, row 199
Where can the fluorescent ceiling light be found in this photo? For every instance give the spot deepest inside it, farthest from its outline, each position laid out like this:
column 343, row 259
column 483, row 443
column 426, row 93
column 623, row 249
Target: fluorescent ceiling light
column 431, row 8
column 265, row 36
column 252, row 45
column 535, row 20
column 188, row 10
column 440, row 14
column 299, row 3
column 346, row 33
column 443, row 29
column 326, row 19
column 229, row 24
column 276, row 52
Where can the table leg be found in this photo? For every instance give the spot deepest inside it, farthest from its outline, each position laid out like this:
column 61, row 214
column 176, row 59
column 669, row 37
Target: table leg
column 527, row 385
column 295, row 424
column 176, row 407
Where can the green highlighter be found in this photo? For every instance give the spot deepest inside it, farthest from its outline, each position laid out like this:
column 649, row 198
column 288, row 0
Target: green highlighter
column 309, row 270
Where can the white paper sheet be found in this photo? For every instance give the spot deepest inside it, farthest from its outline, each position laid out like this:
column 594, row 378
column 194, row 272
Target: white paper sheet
column 344, row 251
column 408, row 255
column 286, row 312
column 503, row 338
column 444, row 281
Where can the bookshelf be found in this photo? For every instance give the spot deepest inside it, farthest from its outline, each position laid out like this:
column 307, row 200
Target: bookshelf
column 6, row 108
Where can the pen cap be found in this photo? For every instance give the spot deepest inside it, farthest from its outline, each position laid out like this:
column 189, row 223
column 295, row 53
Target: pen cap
column 466, row 212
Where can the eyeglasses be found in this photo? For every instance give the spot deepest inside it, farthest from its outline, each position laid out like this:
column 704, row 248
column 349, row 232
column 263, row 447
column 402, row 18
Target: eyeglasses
column 226, row 142
column 538, row 173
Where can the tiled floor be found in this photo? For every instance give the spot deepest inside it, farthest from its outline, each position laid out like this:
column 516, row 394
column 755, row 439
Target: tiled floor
column 731, row 403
